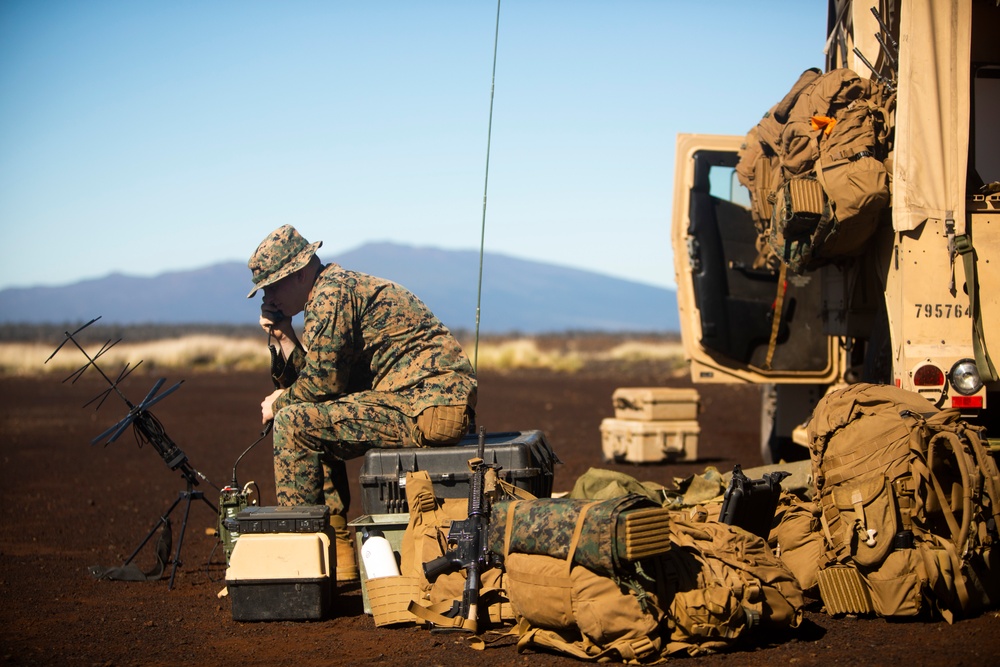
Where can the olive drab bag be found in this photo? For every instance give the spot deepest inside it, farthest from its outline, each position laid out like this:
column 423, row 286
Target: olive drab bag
column 815, row 169
column 909, row 506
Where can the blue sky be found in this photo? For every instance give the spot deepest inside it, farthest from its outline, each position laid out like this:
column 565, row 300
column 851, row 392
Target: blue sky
column 143, row 137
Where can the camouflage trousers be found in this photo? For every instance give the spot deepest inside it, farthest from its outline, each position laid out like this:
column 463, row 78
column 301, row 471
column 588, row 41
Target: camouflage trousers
column 312, row 441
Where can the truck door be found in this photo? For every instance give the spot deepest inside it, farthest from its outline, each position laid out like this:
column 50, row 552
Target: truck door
column 727, row 307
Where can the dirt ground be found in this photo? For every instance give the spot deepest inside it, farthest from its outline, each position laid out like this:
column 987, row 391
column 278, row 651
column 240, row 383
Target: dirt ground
column 70, row 505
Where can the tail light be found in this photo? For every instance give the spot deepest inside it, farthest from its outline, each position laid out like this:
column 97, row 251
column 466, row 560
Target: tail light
column 928, row 375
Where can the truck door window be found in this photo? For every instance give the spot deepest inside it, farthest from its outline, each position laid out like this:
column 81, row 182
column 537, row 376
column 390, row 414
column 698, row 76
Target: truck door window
column 723, row 184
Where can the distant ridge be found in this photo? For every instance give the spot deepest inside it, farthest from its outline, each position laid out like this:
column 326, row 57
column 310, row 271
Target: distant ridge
column 518, row 296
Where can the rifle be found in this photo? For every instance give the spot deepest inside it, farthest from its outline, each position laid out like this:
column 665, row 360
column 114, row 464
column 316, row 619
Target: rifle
column 751, row 503
column 471, row 543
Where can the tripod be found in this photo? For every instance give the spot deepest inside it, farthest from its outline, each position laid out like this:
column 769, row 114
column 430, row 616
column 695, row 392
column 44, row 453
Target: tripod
column 149, row 430
column 187, row 495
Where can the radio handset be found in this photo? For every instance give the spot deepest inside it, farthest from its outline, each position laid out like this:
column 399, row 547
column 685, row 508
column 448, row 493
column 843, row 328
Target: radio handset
column 277, row 365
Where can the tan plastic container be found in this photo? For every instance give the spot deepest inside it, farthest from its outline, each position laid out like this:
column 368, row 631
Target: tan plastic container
column 655, row 403
column 649, row 441
column 280, row 577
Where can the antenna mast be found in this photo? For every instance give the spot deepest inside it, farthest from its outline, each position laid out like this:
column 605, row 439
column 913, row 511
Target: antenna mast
column 486, row 183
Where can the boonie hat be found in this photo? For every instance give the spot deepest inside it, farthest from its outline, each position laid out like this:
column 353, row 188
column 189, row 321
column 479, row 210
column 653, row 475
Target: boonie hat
column 281, row 254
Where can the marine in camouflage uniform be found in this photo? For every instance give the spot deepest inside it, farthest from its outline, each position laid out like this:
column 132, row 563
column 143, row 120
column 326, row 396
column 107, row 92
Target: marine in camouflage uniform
column 374, row 368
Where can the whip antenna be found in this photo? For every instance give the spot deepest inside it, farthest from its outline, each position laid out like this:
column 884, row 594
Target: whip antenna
column 486, row 184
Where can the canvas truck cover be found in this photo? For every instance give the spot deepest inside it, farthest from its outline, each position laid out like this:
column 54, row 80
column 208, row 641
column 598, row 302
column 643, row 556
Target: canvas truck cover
column 932, row 128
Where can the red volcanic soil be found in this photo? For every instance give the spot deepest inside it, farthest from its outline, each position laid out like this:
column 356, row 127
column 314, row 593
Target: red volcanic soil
column 69, row 505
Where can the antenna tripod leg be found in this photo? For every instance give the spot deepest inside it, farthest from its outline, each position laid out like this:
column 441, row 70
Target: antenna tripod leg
column 188, row 495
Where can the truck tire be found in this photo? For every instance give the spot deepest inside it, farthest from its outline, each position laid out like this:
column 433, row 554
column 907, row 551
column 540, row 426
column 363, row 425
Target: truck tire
column 878, row 351
column 774, row 447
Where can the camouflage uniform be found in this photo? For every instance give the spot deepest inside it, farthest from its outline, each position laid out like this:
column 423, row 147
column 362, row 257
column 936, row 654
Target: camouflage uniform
column 372, row 358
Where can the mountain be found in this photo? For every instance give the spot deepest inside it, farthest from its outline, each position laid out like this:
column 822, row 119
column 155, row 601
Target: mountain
column 517, row 295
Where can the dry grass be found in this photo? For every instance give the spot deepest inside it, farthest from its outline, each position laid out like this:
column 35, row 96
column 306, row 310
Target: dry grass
column 198, row 352
column 221, row 353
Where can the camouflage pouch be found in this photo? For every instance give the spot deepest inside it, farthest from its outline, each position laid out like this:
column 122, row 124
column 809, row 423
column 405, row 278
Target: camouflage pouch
column 441, row 425
column 612, row 533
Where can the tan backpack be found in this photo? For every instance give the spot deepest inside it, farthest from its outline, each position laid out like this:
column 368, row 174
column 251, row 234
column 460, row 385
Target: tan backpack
column 814, row 166
column 573, row 610
column 910, row 503
column 739, row 587
column 425, row 539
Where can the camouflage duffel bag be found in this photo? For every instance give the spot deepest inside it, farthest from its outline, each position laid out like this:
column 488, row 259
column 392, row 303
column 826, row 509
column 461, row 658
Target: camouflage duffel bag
column 606, row 536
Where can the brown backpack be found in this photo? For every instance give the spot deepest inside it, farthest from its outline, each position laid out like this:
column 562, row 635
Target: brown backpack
column 910, row 503
column 736, row 587
column 814, row 166
column 574, row 610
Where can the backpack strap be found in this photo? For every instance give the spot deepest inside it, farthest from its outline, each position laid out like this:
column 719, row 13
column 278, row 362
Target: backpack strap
column 509, row 527
column 629, row 651
column 986, row 465
column 511, row 491
column 945, row 579
column 779, row 302
column 577, row 533
column 988, row 372
column 959, row 531
column 436, row 614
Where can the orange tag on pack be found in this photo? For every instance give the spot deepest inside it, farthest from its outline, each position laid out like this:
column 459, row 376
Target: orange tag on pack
column 824, row 123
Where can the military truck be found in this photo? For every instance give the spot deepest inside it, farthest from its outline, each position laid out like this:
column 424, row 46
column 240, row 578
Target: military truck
column 915, row 299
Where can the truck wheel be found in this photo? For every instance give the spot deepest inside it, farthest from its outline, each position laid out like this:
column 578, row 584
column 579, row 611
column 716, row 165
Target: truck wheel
column 777, row 449
column 773, row 447
column 878, row 352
